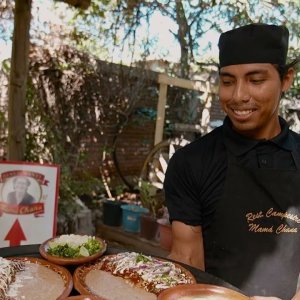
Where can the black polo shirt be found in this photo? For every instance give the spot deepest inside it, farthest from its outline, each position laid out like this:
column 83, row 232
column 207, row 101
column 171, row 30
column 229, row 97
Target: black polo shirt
column 196, row 173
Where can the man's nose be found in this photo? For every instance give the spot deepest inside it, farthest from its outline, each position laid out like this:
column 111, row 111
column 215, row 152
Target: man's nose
column 241, row 92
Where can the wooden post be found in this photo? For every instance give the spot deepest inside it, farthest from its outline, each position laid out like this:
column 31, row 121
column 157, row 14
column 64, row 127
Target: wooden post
column 165, row 80
column 18, row 80
column 160, row 118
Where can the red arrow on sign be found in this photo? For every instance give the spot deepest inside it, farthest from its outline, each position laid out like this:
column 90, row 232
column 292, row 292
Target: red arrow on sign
column 15, row 235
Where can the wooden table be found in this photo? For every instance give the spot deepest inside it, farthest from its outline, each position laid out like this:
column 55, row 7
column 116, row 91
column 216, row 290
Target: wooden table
column 33, row 251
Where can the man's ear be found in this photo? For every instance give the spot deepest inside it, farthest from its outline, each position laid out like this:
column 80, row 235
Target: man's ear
column 288, row 79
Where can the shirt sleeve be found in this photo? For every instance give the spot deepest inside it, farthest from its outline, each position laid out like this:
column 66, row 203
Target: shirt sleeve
column 182, row 191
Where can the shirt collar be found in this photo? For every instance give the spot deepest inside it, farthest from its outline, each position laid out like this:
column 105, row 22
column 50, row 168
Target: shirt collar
column 239, row 144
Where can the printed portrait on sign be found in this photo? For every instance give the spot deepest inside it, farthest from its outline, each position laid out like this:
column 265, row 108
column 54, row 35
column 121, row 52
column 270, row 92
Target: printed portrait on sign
column 21, row 190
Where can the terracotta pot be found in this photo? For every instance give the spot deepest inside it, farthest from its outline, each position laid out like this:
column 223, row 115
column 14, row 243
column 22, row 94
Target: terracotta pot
column 165, row 236
column 149, row 227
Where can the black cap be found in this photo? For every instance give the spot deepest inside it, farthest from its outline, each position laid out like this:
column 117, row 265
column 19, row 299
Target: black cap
column 254, row 43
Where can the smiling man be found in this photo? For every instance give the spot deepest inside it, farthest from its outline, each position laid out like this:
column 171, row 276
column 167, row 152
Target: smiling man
column 234, row 194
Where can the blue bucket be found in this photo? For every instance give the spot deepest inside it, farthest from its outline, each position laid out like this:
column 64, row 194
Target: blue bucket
column 131, row 217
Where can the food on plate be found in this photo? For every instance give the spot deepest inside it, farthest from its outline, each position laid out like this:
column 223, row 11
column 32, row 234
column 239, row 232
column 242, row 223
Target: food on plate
column 112, row 287
column 150, row 273
column 30, row 283
column 73, row 246
column 8, row 270
column 143, row 277
column 31, row 280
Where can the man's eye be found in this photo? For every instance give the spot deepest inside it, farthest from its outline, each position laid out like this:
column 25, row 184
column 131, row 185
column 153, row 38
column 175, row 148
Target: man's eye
column 257, row 81
column 227, row 82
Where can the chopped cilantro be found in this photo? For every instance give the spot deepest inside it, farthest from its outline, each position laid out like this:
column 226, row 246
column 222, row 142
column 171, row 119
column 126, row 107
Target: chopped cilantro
column 142, row 258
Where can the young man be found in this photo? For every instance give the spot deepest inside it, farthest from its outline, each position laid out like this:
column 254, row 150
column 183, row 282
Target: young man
column 234, row 194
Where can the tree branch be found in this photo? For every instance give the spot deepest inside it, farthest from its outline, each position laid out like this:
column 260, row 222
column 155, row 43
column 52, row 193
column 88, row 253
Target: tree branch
column 82, row 4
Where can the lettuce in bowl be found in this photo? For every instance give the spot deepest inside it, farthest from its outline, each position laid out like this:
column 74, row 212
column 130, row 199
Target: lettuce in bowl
column 74, row 246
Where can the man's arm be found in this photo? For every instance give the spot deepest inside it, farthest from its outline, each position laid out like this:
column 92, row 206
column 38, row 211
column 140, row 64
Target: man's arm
column 297, row 296
column 187, row 245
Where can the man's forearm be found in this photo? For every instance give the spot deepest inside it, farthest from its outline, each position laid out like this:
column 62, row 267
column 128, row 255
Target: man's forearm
column 195, row 262
column 187, row 245
column 297, row 296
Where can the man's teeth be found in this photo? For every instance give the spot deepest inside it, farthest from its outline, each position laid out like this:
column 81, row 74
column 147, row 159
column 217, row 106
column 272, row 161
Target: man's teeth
column 242, row 112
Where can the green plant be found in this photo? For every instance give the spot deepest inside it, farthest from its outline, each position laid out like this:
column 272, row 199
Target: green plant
column 150, row 197
column 71, row 189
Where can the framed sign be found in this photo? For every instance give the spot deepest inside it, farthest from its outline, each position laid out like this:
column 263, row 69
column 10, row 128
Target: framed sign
column 28, row 202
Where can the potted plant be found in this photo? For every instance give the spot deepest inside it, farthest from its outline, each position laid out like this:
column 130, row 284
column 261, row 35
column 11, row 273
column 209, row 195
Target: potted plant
column 111, row 205
column 152, row 199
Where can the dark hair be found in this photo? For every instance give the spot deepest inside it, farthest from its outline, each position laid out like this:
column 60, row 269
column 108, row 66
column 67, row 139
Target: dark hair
column 282, row 70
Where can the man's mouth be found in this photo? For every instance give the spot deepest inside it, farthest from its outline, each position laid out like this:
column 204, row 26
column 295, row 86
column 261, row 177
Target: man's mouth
column 243, row 115
column 242, row 112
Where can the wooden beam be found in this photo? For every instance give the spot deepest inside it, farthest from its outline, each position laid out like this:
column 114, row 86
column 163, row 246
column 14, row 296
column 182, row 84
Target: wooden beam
column 160, row 118
column 165, row 80
column 117, row 236
column 187, row 84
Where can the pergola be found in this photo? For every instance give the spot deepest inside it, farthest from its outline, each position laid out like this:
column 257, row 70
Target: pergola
column 165, row 81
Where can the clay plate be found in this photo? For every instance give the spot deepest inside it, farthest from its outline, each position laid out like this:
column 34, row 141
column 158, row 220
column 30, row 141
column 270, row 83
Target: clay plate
column 201, row 291
column 64, row 273
column 70, row 261
column 81, row 272
column 83, row 297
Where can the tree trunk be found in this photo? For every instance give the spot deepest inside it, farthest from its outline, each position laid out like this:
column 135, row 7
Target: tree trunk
column 183, row 31
column 18, row 80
